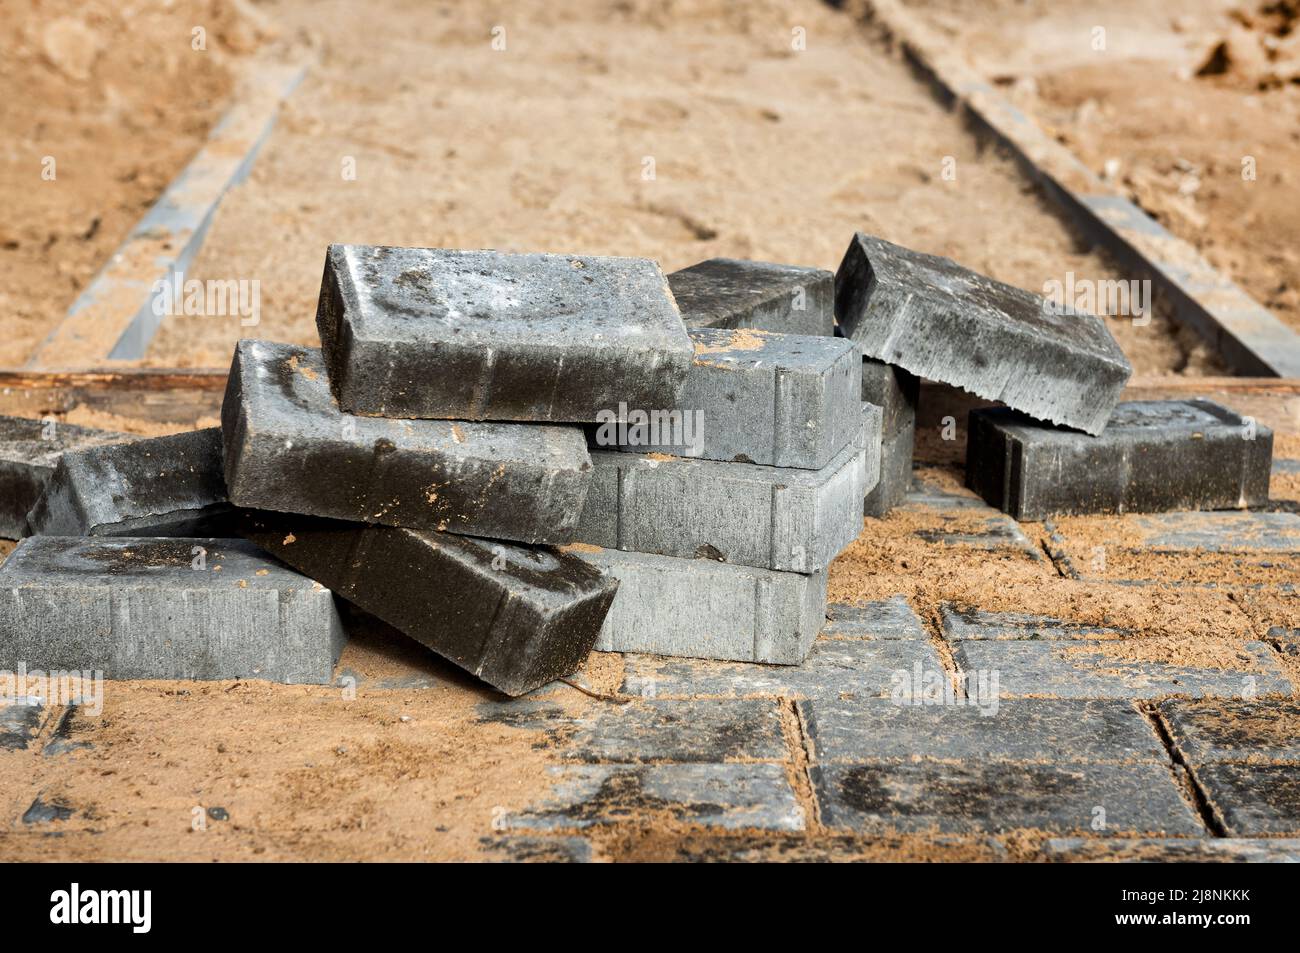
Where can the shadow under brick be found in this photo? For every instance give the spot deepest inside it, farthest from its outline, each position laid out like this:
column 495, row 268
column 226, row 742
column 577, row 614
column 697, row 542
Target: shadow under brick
column 1253, row 799
column 1021, row 730
column 1202, row 850
column 891, row 618
column 834, row 668
column 726, row 796
column 1230, row 730
column 997, row 797
column 1083, row 669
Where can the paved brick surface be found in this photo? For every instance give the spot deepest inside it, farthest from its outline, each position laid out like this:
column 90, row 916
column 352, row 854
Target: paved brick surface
column 699, row 608
column 1082, row 669
column 164, row 608
column 968, row 623
column 995, row 532
column 722, row 796
column 1173, row 850
column 516, row 617
column 164, row 486
column 1154, row 456
column 29, row 452
column 994, row 797
column 525, row 849
column 736, row 293
column 485, row 335
column 283, row 434
column 1030, row 730
column 779, row 518
column 780, row 400
column 891, row 618
column 834, row 668
column 20, row 720
column 1253, row 799
column 1227, row 730
column 946, row 323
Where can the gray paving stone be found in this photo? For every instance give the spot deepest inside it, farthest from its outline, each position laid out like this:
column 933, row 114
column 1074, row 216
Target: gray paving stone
column 838, row 848
column 1285, row 466
column 895, row 477
column 525, row 849
column 137, row 608
column 1165, row 850
column 1022, row 730
column 1228, row 730
column 927, row 495
column 1154, row 456
column 768, row 517
column 486, row 335
column 872, row 447
column 962, row 622
column 753, row 397
column 29, row 452
column 997, row 532
column 997, row 796
column 709, row 731
column 946, row 323
column 835, row 668
column 1220, row 532
column 1082, row 669
column 895, row 391
column 516, row 617
column 723, row 796
column 42, row 811
column 20, row 719
column 735, row 293
column 891, row 618
column 1252, row 799
column 165, row 486
column 700, row 608
column 288, row 448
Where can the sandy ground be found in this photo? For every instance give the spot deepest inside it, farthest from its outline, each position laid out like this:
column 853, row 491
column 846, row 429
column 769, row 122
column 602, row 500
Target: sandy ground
column 1179, row 106
column 759, row 151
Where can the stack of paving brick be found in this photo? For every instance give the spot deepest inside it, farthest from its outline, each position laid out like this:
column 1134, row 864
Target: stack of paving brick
column 720, row 518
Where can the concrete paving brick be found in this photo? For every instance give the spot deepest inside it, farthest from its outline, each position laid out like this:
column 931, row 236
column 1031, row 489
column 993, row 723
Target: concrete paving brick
column 1154, row 456
column 1282, row 466
column 165, row 486
column 1219, row 532
column 1200, row 850
column 1022, row 730
column 928, row 495
column 20, row 720
column 723, row 796
column 895, row 478
column 29, row 452
column 835, row 668
column 753, row 397
column 1252, row 800
column 709, row 731
column 946, row 323
column 1228, row 730
column 961, row 622
column 891, row 618
column 1082, row 669
column 777, row 518
column 895, row 391
column 137, row 608
column 525, row 849
column 486, row 335
column 997, row 532
column 516, row 617
column 872, row 447
column 995, row 797
column 736, row 293
column 700, row 608
column 836, row 848
column 283, row 435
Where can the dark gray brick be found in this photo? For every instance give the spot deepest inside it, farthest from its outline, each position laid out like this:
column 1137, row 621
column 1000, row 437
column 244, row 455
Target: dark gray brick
column 165, row 486
column 1154, row 456
column 288, row 448
column 895, row 475
column 1227, row 730
column 969, row 623
column 1026, row 730
column 891, row 618
column 486, row 335
column 724, row 796
column 517, row 617
column 735, row 293
column 1253, row 799
column 946, row 323
column 523, row 849
column 20, row 720
column 995, row 797
column 895, row 391
column 164, row 608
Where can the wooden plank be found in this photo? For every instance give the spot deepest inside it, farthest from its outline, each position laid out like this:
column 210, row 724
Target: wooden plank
column 114, row 318
column 1248, row 336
